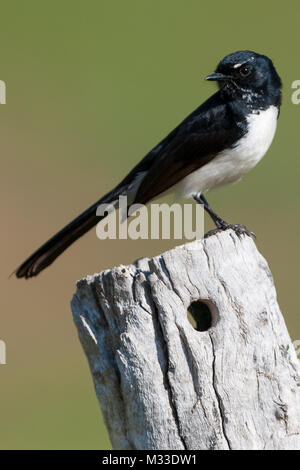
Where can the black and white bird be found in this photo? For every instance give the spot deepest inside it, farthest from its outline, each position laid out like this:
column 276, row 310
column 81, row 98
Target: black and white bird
column 215, row 145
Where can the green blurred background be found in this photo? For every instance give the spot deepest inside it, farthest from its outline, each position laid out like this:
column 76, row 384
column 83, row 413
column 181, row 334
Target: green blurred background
column 91, row 87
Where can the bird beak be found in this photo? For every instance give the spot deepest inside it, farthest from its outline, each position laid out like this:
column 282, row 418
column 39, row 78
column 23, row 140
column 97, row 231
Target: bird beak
column 217, row 76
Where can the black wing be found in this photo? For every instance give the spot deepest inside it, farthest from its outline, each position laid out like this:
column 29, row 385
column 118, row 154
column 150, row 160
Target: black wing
column 204, row 133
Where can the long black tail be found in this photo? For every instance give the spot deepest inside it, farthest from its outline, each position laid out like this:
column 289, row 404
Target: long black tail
column 48, row 252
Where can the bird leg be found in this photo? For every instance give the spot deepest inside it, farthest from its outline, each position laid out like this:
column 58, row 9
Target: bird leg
column 219, row 222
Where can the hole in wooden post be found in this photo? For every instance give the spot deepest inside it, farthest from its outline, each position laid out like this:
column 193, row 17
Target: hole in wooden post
column 201, row 314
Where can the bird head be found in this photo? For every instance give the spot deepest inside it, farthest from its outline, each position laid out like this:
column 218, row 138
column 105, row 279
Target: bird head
column 246, row 74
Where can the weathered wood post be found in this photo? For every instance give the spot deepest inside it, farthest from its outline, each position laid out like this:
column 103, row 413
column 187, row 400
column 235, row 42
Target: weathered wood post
column 231, row 382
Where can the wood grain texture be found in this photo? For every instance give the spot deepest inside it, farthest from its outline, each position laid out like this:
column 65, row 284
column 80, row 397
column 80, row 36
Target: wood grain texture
column 162, row 384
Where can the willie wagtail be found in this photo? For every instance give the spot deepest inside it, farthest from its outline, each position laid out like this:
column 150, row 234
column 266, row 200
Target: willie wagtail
column 217, row 144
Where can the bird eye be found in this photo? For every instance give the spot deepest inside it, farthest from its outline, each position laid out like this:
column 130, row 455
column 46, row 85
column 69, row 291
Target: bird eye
column 245, row 70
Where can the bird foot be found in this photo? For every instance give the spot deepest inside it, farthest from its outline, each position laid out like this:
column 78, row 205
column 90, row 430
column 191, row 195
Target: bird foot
column 239, row 229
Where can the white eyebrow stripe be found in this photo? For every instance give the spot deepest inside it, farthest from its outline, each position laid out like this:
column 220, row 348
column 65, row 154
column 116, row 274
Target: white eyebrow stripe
column 242, row 63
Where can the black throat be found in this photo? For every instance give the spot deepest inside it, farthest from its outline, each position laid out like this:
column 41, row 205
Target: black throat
column 251, row 100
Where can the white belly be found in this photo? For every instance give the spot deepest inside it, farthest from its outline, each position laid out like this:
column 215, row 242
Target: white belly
column 231, row 164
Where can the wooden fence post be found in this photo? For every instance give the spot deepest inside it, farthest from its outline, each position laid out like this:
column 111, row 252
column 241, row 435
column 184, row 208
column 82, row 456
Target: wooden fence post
column 231, row 381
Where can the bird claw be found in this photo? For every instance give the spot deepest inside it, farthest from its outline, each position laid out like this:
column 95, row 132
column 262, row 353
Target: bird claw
column 239, row 229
